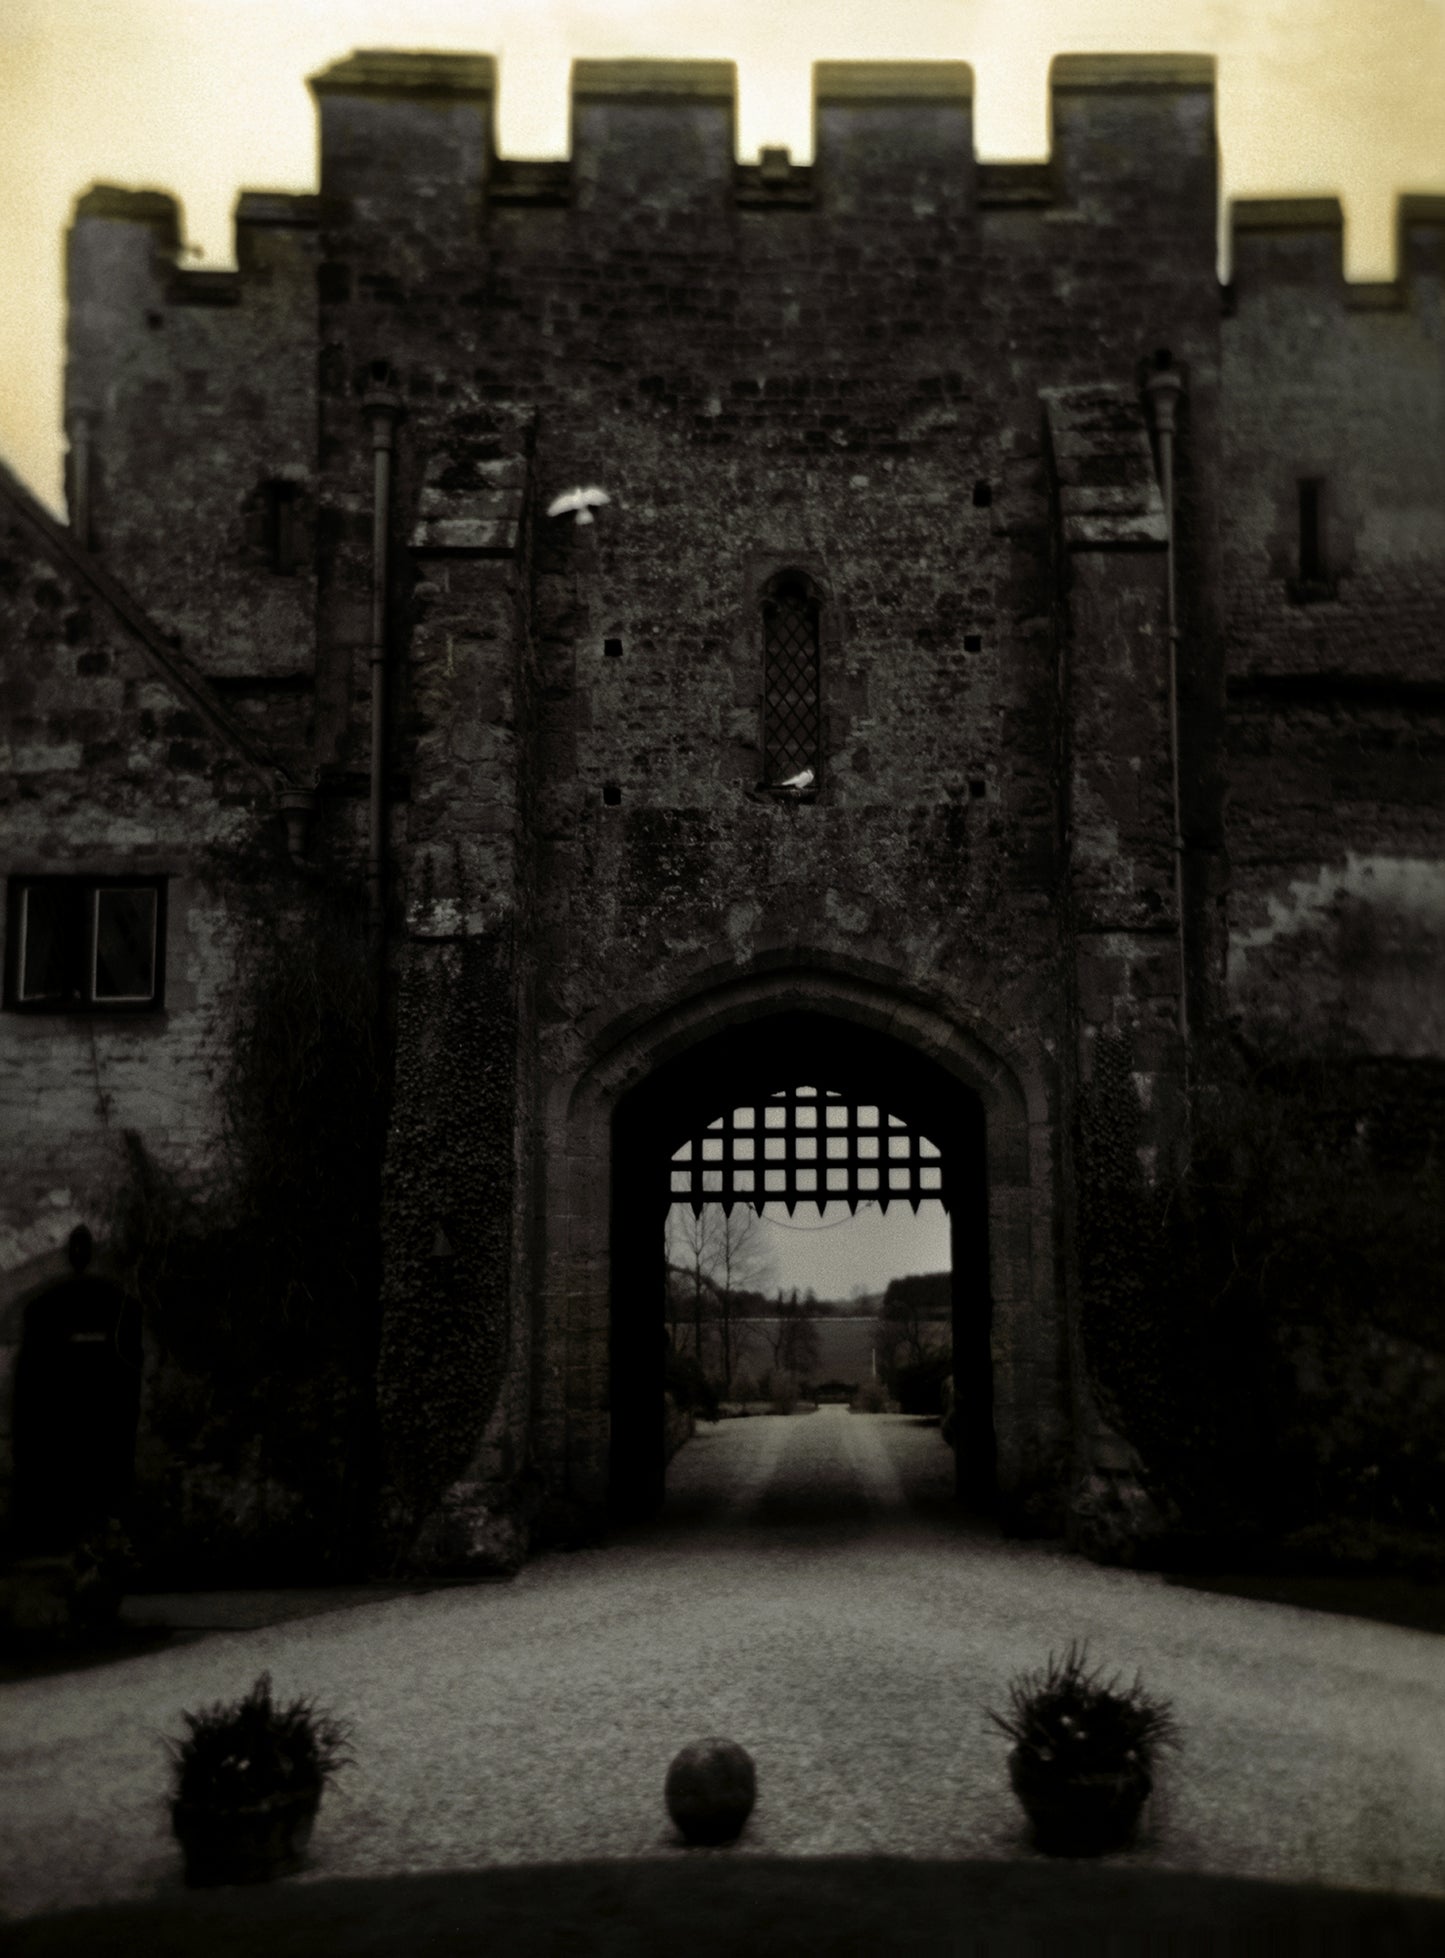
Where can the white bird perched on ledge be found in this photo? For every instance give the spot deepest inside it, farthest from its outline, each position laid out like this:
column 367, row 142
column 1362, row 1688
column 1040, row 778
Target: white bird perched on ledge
column 796, row 785
column 580, row 500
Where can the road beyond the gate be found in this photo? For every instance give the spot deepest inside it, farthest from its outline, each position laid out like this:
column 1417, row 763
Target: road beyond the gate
column 812, row 1593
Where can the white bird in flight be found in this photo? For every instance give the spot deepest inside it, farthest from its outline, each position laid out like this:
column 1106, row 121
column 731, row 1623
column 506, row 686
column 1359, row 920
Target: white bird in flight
column 580, row 500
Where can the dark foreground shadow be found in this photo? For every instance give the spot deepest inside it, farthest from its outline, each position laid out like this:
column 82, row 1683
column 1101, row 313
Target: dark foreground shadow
column 84, row 1654
column 1417, row 1604
column 713, row 1904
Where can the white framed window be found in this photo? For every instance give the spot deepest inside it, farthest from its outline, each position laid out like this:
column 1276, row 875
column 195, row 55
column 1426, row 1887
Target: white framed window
column 86, row 944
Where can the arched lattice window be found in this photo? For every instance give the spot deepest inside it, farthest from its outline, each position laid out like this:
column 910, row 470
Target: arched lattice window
column 792, row 710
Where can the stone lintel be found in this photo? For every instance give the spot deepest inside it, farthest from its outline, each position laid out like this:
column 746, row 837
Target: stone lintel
column 1113, row 72
column 1101, row 532
column 1104, row 468
column 892, row 81
column 489, row 506
column 1286, row 214
column 472, row 535
column 656, row 81
column 389, row 71
column 278, row 207
column 488, row 472
column 153, row 207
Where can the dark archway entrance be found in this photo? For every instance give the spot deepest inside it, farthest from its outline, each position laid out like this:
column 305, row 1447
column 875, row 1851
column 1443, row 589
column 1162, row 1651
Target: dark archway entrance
column 745, row 1067
column 77, row 1399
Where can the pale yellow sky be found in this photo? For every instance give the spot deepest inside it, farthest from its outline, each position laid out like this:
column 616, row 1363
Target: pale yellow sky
column 201, row 97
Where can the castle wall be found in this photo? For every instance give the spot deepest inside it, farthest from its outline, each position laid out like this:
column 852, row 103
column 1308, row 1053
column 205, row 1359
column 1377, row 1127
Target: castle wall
column 917, row 381
column 1336, row 829
column 835, row 368
column 191, row 421
column 108, row 771
column 1336, row 820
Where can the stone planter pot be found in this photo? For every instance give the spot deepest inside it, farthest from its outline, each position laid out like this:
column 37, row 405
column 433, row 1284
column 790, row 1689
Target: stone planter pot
column 1079, row 1814
column 249, row 1844
column 710, row 1790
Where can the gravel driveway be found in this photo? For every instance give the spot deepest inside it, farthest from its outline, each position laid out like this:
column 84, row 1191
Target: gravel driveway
column 811, row 1593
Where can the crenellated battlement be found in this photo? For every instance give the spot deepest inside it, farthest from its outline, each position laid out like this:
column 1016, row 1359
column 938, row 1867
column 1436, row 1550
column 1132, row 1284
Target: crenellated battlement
column 408, row 146
column 408, row 139
column 126, row 247
column 1280, row 244
column 894, row 137
column 1420, row 234
column 1118, row 74
column 157, row 209
column 663, row 82
column 658, row 135
column 769, row 295
column 1287, row 240
column 887, row 135
column 391, row 73
column 159, row 348
column 738, row 297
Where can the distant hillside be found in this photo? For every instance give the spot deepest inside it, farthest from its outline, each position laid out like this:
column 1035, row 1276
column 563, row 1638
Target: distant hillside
column 845, row 1348
column 865, row 1306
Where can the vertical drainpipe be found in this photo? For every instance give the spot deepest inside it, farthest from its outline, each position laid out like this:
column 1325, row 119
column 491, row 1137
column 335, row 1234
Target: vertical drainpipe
column 1163, row 390
column 381, row 408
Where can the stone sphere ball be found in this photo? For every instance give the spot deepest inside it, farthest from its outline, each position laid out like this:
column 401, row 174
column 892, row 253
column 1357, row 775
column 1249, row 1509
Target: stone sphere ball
column 710, row 1790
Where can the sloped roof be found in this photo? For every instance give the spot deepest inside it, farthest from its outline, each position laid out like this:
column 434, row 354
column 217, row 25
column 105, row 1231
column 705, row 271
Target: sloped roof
column 174, row 666
column 1108, row 491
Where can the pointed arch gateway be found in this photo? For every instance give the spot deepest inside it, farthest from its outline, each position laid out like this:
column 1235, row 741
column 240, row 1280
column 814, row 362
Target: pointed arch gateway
column 661, row 1084
column 880, row 1124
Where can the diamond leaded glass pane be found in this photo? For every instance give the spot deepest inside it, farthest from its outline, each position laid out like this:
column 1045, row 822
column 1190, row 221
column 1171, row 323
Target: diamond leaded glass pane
column 791, row 707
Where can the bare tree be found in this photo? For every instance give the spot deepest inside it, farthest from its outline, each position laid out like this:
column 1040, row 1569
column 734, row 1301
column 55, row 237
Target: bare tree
column 744, row 1265
column 794, row 1338
column 715, row 1259
column 692, row 1243
column 909, row 1306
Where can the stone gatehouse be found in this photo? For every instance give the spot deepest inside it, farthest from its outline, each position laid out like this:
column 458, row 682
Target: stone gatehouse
column 1004, row 678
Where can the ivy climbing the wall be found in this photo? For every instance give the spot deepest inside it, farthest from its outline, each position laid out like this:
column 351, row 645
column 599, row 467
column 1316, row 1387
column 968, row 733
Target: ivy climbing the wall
column 1315, row 1226
column 1177, row 1372
column 258, row 1276
column 1263, row 1325
column 447, row 1202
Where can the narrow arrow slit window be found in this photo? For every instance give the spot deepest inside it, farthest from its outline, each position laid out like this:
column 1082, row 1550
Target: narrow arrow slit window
column 792, row 709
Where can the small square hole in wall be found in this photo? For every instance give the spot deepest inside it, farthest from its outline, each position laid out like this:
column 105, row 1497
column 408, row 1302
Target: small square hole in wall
column 612, row 648
column 978, row 790
column 982, row 495
column 611, row 794
column 973, row 642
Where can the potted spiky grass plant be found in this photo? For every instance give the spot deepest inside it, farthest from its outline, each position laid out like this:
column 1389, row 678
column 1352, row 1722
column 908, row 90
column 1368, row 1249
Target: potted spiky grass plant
column 1083, row 1753
column 248, row 1778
